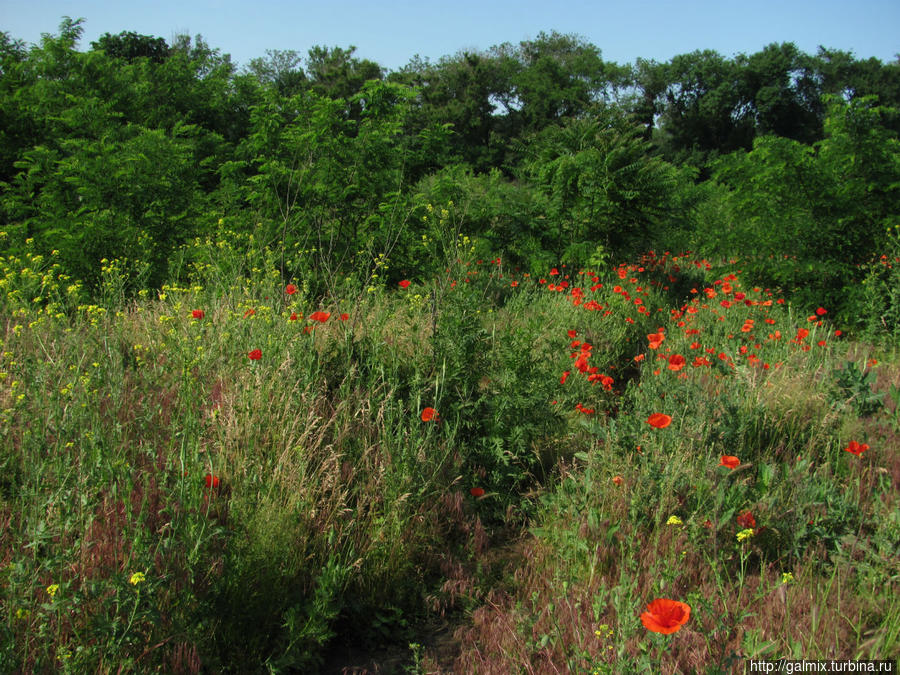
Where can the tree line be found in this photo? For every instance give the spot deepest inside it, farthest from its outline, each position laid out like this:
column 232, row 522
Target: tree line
column 543, row 151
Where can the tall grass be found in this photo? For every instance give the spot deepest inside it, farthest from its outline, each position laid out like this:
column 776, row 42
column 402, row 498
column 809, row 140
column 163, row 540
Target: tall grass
column 172, row 503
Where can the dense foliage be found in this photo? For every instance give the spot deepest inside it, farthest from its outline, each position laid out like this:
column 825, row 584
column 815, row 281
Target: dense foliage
column 133, row 147
column 306, row 358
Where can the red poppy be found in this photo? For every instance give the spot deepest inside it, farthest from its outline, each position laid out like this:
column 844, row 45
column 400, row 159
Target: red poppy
column 659, row 420
column 321, row 317
column 572, row 333
column 344, row 316
column 211, row 481
column 255, row 355
column 290, row 289
column 293, row 316
column 404, row 283
column 745, row 519
column 617, row 480
column 665, row 616
column 197, row 314
column 429, row 414
column 656, row 339
column 730, row 461
column 676, row 362
column 565, row 374
column 821, row 311
column 477, row 492
column 249, row 312
column 856, row 448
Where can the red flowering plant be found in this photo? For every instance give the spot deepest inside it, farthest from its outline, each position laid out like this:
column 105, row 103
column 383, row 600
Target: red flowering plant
column 659, row 420
column 665, row 616
column 729, row 461
column 856, row 448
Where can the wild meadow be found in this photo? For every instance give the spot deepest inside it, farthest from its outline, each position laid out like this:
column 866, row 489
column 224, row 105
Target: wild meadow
column 488, row 472
column 521, row 361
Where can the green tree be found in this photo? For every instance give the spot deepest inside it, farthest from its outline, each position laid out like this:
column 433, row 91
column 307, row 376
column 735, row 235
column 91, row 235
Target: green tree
column 780, row 87
column 465, row 91
column 281, row 69
column 560, row 76
column 334, row 72
column 806, row 218
column 325, row 172
column 602, row 184
column 704, row 112
column 130, row 46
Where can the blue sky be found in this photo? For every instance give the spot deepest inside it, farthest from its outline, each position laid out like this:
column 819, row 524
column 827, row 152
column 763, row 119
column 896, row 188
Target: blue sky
column 390, row 33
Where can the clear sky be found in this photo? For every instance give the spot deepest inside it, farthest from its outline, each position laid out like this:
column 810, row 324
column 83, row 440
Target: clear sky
column 390, row 33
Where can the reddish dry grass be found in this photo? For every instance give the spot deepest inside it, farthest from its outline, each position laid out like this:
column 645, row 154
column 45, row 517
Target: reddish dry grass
column 826, row 617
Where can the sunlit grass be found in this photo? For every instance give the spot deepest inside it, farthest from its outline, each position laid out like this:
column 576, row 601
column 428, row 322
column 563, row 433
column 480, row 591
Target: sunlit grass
column 274, row 502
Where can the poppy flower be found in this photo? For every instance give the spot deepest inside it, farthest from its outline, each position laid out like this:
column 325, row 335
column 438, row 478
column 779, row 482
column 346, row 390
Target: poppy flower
column 211, row 481
column 344, row 316
column 730, row 461
column 429, row 414
column 746, row 519
column 321, row 317
column 659, row 420
column 404, row 283
column 676, row 362
column 656, row 339
column 856, row 448
column 255, row 355
column 290, row 289
column 821, row 311
column 565, row 375
column 293, row 316
column 477, row 492
column 665, row 616
column 197, row 314
column 617, row 480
